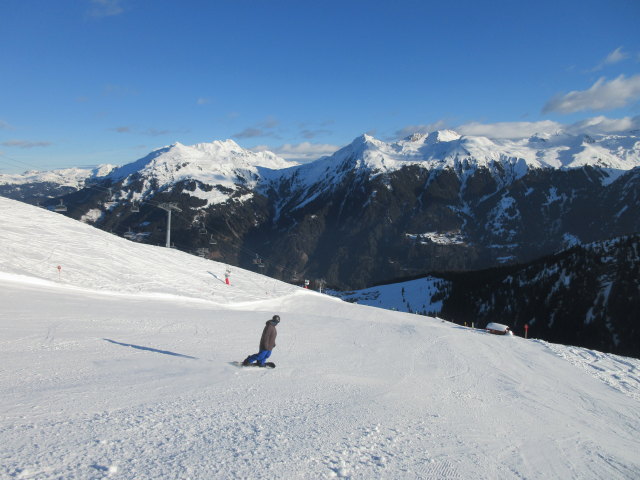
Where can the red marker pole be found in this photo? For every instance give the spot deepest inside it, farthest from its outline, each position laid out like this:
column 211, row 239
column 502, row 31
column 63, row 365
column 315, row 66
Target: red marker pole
column 526, row 330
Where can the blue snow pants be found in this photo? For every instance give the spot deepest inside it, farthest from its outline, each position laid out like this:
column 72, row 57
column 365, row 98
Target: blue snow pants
column 260, row 357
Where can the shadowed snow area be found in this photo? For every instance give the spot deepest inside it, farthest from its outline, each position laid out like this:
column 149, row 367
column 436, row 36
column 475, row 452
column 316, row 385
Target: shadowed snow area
column 119, row 365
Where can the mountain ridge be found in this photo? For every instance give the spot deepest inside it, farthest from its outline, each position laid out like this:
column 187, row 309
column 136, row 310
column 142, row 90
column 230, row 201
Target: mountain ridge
column 437, row 148
column 332, row 218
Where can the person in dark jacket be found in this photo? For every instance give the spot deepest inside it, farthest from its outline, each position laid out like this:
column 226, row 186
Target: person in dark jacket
column 267, row 343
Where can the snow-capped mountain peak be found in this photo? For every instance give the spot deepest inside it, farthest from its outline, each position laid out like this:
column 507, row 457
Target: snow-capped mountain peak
column 200, row 160
column 442, row 136
column 447, row 148
column 505, row 159
column 67, row 177
column 221, row 163
column 539, row 137
column 364, row 142
column 434, row 137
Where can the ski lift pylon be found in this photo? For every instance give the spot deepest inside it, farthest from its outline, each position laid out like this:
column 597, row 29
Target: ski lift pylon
column 61, row 207
column 111, row 201
column 258, row 261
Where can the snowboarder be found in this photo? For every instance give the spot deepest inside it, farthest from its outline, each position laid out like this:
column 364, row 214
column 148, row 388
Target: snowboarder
column 267, row 343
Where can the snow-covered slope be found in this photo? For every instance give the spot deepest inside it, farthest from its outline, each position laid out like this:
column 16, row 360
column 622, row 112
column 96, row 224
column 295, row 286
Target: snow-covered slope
column 422, row 296
column 117, row 366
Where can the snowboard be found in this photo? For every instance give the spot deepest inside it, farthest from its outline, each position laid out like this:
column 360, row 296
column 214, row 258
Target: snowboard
column 266, row 365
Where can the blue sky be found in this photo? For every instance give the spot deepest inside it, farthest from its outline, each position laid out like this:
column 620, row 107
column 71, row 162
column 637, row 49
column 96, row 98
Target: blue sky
column 85, row 82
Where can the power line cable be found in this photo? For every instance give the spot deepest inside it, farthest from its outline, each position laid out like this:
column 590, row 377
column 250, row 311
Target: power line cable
column 5, row 157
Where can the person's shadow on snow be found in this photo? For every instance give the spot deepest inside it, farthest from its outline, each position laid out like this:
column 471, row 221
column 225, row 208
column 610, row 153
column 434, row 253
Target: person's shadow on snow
column 149, row 349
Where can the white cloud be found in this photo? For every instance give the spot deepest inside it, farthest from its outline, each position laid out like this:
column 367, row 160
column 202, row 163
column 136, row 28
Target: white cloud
column 25, row 143
column 203, row 101
column 270, row 122
column 516, row 130
column 250, row 132
column 604, row 125
column 5, row 126
column 119, row 90
column 300, row 152
column 310, row 133
column 423, row 128
column 614, row 57
column 105, row 8
column 593, row 126
column 508, row 129
column 603, row 95
column 261, row 129
column 491, row 130
column 153, row 132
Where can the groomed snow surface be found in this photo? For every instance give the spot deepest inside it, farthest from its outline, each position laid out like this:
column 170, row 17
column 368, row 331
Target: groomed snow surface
column 119, row 365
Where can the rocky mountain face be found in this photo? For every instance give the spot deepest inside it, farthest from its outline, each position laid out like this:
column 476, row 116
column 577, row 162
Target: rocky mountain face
column 414, row 220
column 375, row 210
